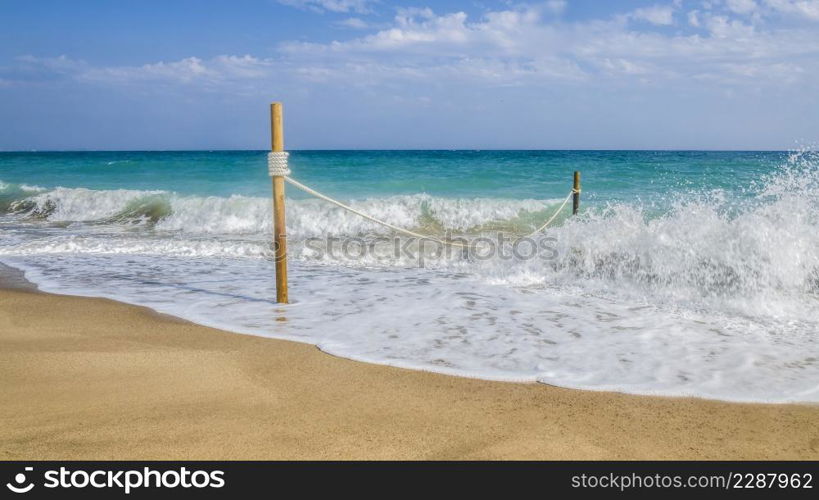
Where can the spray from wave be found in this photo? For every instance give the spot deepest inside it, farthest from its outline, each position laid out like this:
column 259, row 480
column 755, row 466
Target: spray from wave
column 757, row 254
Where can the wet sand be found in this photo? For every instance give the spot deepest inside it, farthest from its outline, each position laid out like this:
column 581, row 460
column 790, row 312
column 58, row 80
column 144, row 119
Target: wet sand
column 84, row 378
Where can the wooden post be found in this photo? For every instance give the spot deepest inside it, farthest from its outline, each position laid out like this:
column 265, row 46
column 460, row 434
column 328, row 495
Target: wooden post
column 576, row 195
column 279, row 229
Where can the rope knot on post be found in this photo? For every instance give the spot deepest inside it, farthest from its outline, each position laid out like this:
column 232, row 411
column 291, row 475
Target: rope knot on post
column 277, row 163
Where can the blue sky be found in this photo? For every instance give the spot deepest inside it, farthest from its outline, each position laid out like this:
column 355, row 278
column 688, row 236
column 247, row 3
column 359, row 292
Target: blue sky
column 143, row 74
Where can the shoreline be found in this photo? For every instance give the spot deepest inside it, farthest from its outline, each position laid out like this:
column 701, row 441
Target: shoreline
column 14, row 279
column 99, row 379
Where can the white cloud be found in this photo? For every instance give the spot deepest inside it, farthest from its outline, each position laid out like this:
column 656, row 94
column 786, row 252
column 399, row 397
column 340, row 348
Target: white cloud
column 741, row 6
column 661, row 15
column 625, row 67
column 803, row 8
column 359, row 6
column 723, row 27
column 214, row 72
column 519, row 46
column 29, row 70
column 60, row 64
column 599, row 82
column 422, row 32
column 556, row 6
column 353, row 23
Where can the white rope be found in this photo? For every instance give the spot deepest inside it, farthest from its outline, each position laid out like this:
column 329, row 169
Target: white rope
column 373, row 219
column 406, row 231
column 554, row 216
column 277, row 163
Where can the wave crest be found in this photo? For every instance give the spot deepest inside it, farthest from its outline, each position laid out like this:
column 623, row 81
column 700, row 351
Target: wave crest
column 238, row 214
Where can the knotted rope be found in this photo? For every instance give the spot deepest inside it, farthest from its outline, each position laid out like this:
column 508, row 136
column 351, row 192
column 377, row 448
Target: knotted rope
column 277, row 166
column 277, row 163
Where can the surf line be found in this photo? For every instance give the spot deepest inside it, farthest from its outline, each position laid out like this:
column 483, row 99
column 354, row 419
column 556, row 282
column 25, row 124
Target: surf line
column 279, row 171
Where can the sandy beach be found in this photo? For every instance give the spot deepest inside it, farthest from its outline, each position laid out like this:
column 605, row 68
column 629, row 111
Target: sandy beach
column 87, row 378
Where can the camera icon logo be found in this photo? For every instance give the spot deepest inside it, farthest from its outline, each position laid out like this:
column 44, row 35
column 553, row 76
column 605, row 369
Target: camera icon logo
column 20, row 479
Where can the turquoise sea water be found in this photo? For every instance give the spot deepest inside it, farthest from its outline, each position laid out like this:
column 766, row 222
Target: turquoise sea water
column 608, row 175
column 686, row 273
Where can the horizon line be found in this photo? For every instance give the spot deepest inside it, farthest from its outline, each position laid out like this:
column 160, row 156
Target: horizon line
column 668, row 150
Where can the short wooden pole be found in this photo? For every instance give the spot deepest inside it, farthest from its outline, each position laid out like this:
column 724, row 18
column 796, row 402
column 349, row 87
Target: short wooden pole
column 576, row 194
column 279, row 229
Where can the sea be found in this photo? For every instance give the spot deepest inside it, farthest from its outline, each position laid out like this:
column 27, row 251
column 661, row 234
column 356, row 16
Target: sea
column 684, row 273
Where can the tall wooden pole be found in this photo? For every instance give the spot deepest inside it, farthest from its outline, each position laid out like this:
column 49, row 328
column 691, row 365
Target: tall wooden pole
column 576, row 195
column 279, row 229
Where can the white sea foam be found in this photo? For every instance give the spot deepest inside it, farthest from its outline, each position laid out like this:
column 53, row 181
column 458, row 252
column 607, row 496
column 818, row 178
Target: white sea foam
column 243, row 215
column 125, row 245
column 4, row 186
column 79, row 204
column 715, row 297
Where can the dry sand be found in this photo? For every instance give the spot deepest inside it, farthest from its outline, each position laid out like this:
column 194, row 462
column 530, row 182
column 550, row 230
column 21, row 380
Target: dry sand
column 88, row 378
